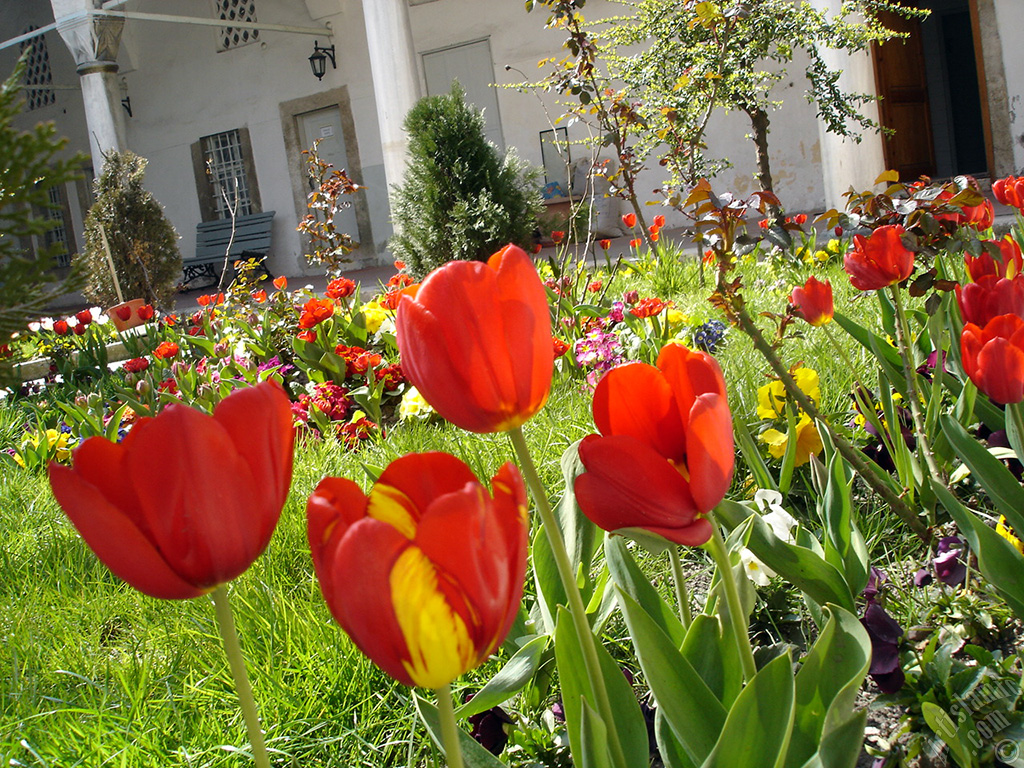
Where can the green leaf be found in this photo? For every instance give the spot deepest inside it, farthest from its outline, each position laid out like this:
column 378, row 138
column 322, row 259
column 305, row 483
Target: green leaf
column 550, row 592
column 842, row 532
column 870, row 341
column 999, row 483
column 576, row 686
column 705, row 647
column 516, row 673
column 594, row 738
column 757, row 731
column 672, row 753
column 631, row 580
column 473, row 755
column 827, row 684
column 578, row 532
column 998, row 561
column 808, row 571
column 691, row 708
column 841, row 746
column 752, row 456
column 946, row 729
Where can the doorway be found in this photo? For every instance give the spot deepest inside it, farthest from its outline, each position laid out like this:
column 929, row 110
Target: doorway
column 931, row 98
column 324, row 125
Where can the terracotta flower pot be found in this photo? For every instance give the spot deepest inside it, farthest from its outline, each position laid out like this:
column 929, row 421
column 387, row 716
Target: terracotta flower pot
column 116, row 312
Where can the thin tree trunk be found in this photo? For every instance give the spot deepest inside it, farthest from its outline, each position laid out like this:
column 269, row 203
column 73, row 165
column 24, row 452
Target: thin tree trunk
column 759, row 123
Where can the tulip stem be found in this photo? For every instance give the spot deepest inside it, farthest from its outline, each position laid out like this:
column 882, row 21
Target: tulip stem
column 226, row 625
column 732, row 599
column 576, row 608
column 682, row 596
column 913, row 393
column 449, row 728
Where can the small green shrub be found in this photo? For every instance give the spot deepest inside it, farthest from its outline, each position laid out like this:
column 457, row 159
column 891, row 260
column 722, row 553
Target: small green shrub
column 143, row 244
column 461, row 199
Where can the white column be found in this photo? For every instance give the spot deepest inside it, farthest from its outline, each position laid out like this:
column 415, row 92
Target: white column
column 844, row 162
column 396, row 83
column 94, row 41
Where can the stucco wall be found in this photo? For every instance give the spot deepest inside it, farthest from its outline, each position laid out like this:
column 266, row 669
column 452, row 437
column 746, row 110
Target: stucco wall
column 1010, row 23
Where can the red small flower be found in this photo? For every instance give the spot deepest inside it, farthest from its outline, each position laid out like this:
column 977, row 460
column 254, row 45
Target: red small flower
column 61, row 328
column 880, row 260
column 399, row 265
column 595, row 286
column 764, row 223
column 84, row 317
column 636, row 242
column 165, row 350
column 281, row 282
column 210, row 299
column 259, row 296
column 537, row 247
column 401, row 280
column 558, row 236
column 993, row 357
column 146, row 313
column 659, row 221
column 648, row 307
column 979, row 216
column 813, row 301
column 340, row 288
column 123, row 313
column 800, row 219
column 79, row 329
column 136, row 365
column 307, row 336
column 655, row 235
column 605, row 244
column 314, row 312
column 560, row 347
column 391, row 375
column 629, row 220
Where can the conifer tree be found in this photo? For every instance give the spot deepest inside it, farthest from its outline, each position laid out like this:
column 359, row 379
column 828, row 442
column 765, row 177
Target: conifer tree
column 461, row 198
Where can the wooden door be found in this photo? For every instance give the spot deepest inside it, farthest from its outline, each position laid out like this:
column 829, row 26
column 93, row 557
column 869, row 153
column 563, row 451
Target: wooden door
column 901, row 83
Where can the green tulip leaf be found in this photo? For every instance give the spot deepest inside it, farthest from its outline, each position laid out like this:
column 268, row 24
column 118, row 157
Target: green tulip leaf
column 998, row 561
column 752, row 456
column 871, row 341
column 672, row 753
column 516, row 673
column 800, row 566
column 757, row 730
column 550, row 592
column 631, row 580
column 999, row 483
column 576, row 686
column 841, row 747
column 841, row 529
column 827, row 684
column 713, row 656
column 690, row 706
column 473, row 755
column 579, row 534
column 593, row 738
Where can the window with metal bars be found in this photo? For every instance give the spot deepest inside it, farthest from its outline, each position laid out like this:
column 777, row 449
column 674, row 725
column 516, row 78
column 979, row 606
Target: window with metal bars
column 237, row 10
column 228, row 174
column 37, row 71
column 57, row 236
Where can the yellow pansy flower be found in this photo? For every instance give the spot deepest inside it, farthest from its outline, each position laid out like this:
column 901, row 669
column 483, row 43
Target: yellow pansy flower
column 808, row 441
column 771, row 398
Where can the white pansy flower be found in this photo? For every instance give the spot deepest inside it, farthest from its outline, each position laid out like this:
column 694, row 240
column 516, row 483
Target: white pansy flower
column 782, row 524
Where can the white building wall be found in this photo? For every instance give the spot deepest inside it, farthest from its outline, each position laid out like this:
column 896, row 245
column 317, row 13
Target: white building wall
column 1010, row 15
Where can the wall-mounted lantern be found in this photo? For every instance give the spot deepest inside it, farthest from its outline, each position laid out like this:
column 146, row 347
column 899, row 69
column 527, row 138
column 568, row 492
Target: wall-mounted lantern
column 318, row 61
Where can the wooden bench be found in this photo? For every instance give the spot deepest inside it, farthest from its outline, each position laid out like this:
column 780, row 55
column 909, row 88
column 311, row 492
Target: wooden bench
column 251, row 241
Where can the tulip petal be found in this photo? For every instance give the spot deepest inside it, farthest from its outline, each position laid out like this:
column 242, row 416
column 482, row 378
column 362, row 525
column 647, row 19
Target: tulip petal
column 355, row 582
column 629, row 485
column 422, row 477
column 709, row 451
column 198, row 496
column 266, row 443
column 690, row 373
column 115, row 539
column 636, row 400
column 334, row 506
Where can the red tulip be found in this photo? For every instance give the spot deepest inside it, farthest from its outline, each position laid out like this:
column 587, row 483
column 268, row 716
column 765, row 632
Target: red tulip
column 1009, row 266
column 605, row 244
column 659, row 221
column 978, row 216
column 79, row 329
column 879, row 260
column 1009, row 191
column 84, row 317
column 146, row 313
column 281, row 282
column 123, row 313
column 557, row 236
column 340, row 288
column 314, row 312
column 186, row 501
column 636, row 242
column 665, row 455
column 629, row 220
column 61, row 328
column 993, row 357
column 813, row 302
column 989, row 297
column 165, row 350
column 426, row 574
column 476, row 341
column 559, row 347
